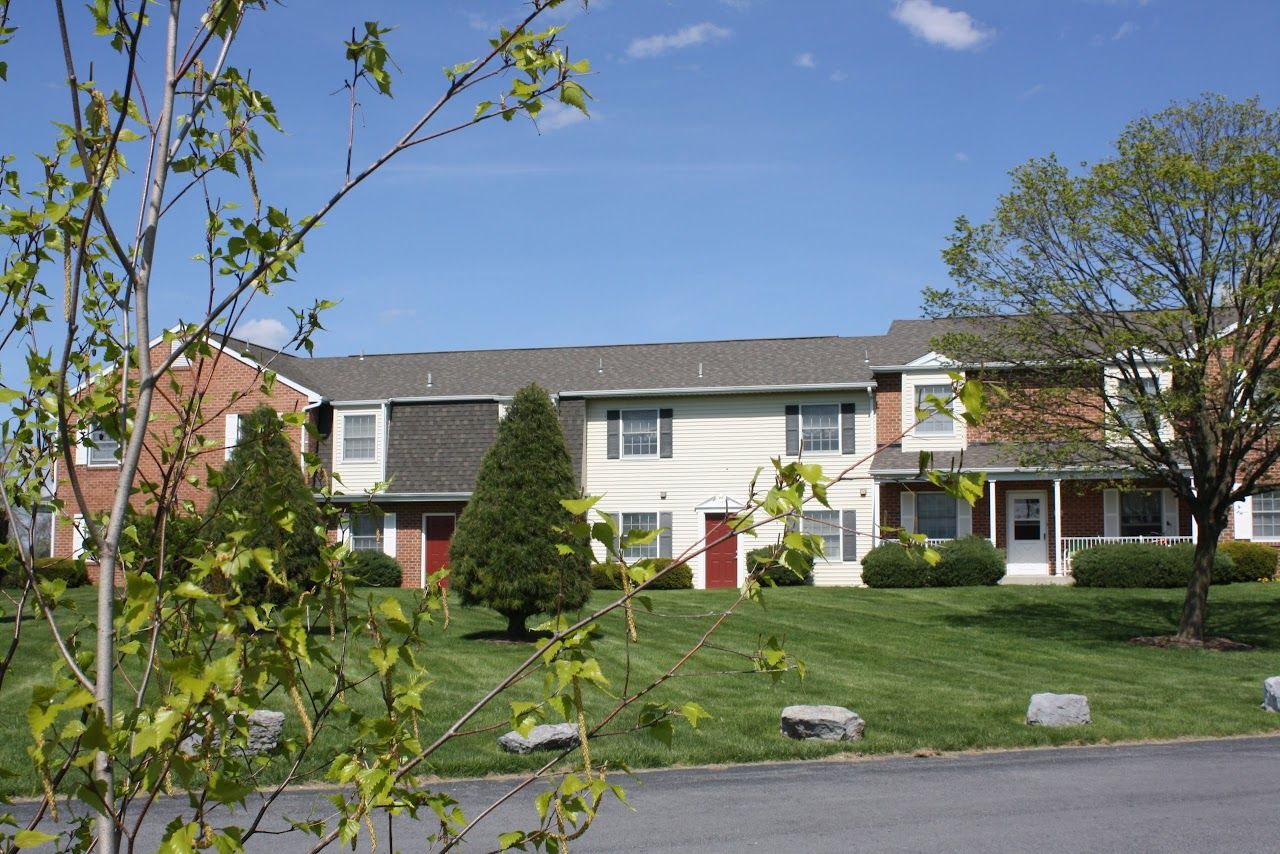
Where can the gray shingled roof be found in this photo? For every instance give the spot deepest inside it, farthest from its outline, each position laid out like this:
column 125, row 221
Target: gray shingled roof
column 830, row 360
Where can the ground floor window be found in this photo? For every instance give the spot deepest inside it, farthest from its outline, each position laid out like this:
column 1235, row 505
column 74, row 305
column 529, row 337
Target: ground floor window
column 1266, row 515
column 826, row 525
column 936, row 515
column 366, row 532
column 1142, row 513
column 639, row 522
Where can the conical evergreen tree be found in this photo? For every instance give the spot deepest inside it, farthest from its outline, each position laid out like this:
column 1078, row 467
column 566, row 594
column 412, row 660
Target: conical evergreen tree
column 504, row 552
column 262, row 485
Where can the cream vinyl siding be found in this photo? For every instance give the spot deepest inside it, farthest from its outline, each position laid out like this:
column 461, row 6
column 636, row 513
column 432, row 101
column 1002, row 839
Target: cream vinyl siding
column 928, row 442
column 718, row 442
column 361, row 475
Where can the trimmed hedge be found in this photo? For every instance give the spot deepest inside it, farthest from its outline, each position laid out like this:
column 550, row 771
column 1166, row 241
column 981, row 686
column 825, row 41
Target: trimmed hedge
column 374, row 569
column 966, row 562
column 1144, row 565
column 779, row 573
column 70, row 571
column 1254, row 561
column 891, row 565
column 605, row 576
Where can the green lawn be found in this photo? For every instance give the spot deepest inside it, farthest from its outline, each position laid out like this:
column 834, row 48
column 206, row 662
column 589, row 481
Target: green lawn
column 928, row 669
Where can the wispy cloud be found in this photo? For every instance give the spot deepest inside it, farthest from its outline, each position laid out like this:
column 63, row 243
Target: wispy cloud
column 738, row 5
column 961, row 157
column 691, row 36
column 1032, row 92
column 266, row 331
column 940, row 25
column 398, row 313
column 838, row 76
column 1125, row 30
column 805, row 60
column 556, row 115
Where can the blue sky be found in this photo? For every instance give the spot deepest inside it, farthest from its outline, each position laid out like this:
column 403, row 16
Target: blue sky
column 752, row 168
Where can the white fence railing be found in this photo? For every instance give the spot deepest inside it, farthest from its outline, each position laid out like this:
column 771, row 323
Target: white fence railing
column 1071, row 545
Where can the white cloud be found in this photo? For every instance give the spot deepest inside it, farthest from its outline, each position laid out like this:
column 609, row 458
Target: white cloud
column 838, row 76
column 691, row 36
column 1125, row 30
column 390, row 314
column 805, row 60
column 737, row 5
column 556, row 115
column 266, row 331
column 961, row 157
column 1032, row 92
column 941, row 26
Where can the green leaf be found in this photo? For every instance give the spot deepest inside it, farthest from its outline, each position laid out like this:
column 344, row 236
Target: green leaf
column 32, row 838
column 575, row 506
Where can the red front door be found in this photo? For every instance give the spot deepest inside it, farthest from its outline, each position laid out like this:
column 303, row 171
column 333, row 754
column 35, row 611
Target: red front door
column 721, row 557
column 437, row 531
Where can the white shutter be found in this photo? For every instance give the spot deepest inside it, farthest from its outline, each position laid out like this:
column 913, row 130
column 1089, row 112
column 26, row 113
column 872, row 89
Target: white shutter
column 344, row 529
column 1170, row 513
column 1111, row 512
column 82, row 450
column 1244, row 519
column 964, row 519
column 389, row 534
column 232, row 435
column 909, row 512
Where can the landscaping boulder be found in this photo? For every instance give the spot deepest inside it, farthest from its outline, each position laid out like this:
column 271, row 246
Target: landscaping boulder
column 1058, row 710
column 541, row 737
column 265, row 729
column 826, row 723
column 1271, row 694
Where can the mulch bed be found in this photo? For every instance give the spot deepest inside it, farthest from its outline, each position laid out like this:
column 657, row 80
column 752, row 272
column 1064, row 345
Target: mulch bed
column 1174, row 642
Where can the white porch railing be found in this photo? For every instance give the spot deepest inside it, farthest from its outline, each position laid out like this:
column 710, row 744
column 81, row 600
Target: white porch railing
column 1071, row 545
column 934, row 542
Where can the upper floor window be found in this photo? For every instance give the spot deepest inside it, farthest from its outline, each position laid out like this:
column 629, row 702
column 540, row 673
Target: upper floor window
column 358, row 442
column 1142, row 513
column 820, row 428
column 366, row 532
column 1266, row 515
column 103, row 449
column 639, row 522
column 935, row 423
column 1129, row 408
column 640, row 432
column 936, row 515
column 824, row 524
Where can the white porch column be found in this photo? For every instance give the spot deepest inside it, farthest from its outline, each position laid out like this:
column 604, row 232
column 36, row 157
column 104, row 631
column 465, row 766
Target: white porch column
column 1194, row 526
column 875, row 514
column 1058, row 568
column 991, row 511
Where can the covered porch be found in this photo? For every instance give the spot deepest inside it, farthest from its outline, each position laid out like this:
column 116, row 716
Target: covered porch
column 1038, row 522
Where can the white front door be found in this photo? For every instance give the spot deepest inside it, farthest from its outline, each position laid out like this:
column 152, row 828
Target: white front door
column 1027, row 532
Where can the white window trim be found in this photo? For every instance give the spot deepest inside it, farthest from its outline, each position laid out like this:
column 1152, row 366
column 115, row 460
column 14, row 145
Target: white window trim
column 114, row 463
column 654, row 545
column 831, row 556
column 622, row 434
column 1253, row 521
column 839, row 429
column 342, row 447
column 922, row 427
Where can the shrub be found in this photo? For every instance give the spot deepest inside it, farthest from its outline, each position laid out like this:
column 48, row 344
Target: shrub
column 374, row 569
column 1253, row 560
column 605, row 576
column 967, row 562
column 1143, row 565
column 70, row 571
column 891, row 565
column 776, row 571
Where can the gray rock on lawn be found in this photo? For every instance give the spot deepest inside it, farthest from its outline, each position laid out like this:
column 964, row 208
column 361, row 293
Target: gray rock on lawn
column 265, row 729
column 1271, row 694
column 1058, row 710
column 827, row 723
column 541, row 737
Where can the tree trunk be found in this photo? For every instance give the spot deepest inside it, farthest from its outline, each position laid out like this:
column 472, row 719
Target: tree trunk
column 1195, row 607
column 515, row 626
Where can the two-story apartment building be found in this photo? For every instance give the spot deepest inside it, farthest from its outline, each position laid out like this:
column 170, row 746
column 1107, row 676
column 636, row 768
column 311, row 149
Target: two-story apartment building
column 671, row 435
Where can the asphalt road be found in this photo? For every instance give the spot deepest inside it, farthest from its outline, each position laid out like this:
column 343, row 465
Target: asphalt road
column 1208, row 796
